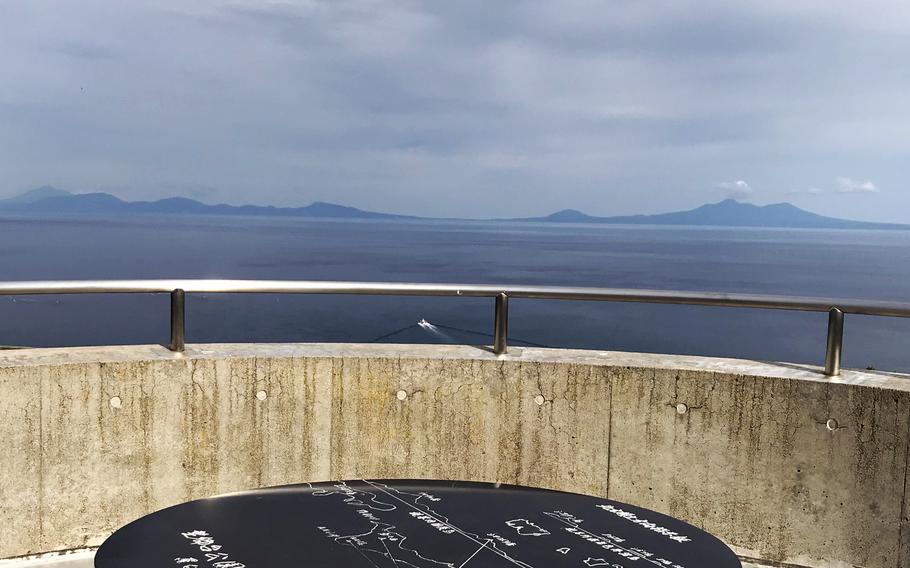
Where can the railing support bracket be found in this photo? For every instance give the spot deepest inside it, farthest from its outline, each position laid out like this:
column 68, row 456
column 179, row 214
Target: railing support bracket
column 501, row 324
column 835, row 342
column 178, row 321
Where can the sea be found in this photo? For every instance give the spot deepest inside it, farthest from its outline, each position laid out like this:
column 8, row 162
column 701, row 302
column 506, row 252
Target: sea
column 857, row 264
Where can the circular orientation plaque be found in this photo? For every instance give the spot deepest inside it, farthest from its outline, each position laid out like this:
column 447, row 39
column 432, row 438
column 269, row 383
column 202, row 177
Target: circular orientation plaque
column 409, row 524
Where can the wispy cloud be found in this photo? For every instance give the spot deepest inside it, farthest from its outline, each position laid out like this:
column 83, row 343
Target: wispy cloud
column 810, row 190
column 87, row 51
column 849, row 185
column 737, row 189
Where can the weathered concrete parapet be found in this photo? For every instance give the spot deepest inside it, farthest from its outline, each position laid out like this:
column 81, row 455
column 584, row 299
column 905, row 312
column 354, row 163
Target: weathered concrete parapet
column 782, row 463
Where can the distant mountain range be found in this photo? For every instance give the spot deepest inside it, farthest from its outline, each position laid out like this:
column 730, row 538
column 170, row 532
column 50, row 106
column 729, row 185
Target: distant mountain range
column 50, row 200
column 730, row 213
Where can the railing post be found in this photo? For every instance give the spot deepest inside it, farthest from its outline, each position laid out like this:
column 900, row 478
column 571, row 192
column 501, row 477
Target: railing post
column 835, row 342
column 501, row 324
column 178, row 320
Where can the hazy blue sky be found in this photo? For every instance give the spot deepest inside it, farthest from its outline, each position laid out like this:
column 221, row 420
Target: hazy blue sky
column 474, row 109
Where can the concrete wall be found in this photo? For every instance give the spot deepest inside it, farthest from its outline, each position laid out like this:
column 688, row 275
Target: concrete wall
column 96, row 437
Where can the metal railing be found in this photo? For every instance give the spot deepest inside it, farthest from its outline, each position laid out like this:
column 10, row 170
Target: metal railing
column 178, row 289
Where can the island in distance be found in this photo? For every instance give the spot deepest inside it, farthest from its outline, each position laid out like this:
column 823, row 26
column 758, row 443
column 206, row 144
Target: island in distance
column 727, row 213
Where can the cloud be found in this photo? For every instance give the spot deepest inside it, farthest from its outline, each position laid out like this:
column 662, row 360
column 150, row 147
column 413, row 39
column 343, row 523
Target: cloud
column 428, row 108
column 813, row 190
column 848, row 185
column 737, row 189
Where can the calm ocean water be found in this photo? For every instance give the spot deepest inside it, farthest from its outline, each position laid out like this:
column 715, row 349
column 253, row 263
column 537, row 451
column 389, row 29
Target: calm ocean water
column 872, row 265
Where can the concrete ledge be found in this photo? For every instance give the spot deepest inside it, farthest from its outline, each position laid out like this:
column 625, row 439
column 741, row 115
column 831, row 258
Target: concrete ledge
column 784, row 464
column 115, row 354
column 64, row 559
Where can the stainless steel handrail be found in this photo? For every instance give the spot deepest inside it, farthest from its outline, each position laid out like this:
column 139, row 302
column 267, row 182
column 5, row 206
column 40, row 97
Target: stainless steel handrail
column 835, row 307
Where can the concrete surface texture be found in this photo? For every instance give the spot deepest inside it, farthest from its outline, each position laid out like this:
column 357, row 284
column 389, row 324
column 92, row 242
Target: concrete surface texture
column 783, row 464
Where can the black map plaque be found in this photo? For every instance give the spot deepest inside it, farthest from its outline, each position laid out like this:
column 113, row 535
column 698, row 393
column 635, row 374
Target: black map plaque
column 409, row 524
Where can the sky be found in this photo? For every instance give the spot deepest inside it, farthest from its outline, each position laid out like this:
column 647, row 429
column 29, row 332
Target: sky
column 470, row 109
